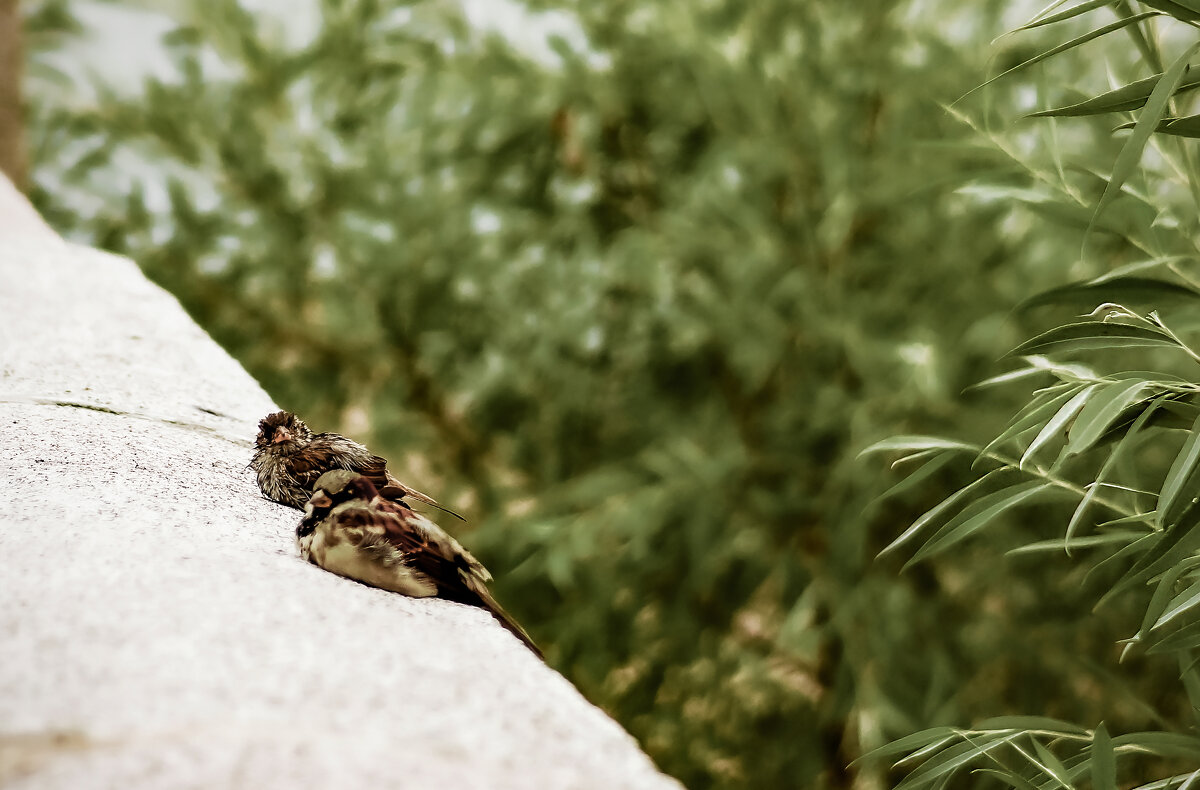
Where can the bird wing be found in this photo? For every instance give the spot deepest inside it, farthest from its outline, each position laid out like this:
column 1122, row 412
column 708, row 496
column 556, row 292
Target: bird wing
column 432, row 551
column 355, row 542
column 312, row 462
column 429, row 548
column 340, row 452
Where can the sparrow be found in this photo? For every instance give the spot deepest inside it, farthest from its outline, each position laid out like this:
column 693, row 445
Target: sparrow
column 289, row 457
column 350, row 529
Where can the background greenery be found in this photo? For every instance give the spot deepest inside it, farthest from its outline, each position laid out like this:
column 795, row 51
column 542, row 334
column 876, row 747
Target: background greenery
column 634, row 303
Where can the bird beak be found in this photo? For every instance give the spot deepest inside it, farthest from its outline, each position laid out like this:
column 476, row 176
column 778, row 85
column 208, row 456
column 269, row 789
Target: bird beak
column 281, row 435
column 319, row 499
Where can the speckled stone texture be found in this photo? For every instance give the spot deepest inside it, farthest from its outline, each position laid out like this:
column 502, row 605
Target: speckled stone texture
column 157, row 629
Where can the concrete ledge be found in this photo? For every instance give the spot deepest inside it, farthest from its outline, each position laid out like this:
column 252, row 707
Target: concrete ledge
column 157, row 629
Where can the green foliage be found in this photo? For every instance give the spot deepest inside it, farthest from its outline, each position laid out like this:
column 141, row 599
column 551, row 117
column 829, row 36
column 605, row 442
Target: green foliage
column 1114, row 432
column 634, row 307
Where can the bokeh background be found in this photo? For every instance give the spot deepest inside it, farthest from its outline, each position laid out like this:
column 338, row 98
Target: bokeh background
column 631, row 285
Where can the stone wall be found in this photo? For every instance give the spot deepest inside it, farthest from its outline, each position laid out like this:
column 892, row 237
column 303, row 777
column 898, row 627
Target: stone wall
column 157, row 629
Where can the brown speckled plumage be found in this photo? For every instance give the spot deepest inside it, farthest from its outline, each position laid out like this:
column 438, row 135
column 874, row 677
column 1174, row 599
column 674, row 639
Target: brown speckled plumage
column 351, row 530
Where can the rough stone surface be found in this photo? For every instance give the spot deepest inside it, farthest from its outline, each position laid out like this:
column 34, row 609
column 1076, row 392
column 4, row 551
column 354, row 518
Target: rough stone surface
column 157, row 629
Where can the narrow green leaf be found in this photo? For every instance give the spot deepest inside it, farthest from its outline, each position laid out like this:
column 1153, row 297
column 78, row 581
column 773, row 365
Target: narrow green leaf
column 920, row 755
column 1075, row 42
column 1167, row 744
column 1150, row 54
column 915, row 443
column 910, row 743
column 1179, row 10
column 917, row 456
column 1164, row 551
column 1152, row 113
column 1053, row 765
column 1093, row 335
column 1061, row 16
column 1046, row 11
column 1182, row 469
column 1142, row 545
column 1187, row 126
column 926, row 470
column 1174, row 414
column 951, row 759
column 1104, row 761
column 1190, row 677
column 1185, row 638
column 1086, row 542
column 1171, row 783
column 1127, row 97
column 1039, row 723
column 1056, row 423
column 1100, row 412
column 978, row 515
column 1042, row 407
column 1149, row 518
column 1134, row 267
column 1063, row 371
column 1011, row 376
column 1122, row 447
column 1179, row 604
column 1122, row 290
column 1158, row 601
column 938, row 511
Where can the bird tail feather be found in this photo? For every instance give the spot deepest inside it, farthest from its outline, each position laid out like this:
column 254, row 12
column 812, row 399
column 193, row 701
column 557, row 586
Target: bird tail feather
column 508, row 622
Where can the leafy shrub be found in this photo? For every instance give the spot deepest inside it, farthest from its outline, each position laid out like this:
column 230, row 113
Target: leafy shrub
column 1108, row 447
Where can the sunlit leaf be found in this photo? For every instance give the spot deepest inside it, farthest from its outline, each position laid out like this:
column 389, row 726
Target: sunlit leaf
column 1055, row 425
column 1036, row 413
column 1100, row 412
column 911, row 443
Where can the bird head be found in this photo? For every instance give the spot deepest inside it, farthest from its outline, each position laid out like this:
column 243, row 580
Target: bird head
column 332, row 489
column 282, row 429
